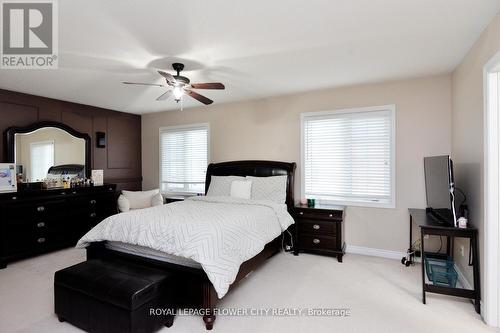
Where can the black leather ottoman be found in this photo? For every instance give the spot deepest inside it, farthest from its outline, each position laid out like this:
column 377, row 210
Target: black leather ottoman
column 113, row 296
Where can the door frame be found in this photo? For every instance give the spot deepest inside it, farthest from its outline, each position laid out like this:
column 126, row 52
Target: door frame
column 491, row 230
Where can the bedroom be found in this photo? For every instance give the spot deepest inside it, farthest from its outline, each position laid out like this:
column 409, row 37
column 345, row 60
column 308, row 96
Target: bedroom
column 421, row 74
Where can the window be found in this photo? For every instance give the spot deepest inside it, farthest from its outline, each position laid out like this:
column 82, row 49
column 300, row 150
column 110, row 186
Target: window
column 348, row 156
column 183, row 158
column 41, row 159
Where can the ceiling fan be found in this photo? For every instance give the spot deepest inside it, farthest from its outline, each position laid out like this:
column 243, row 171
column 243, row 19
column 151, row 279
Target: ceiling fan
column 179, row 86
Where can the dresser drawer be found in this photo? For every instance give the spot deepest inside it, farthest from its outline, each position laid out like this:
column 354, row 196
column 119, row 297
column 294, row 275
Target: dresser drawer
column 101, row 205
column 39, row 240
column 316, row 242
column 25, row 241
column 27, row 225
column 318, row 214
column 30, row 212
column 317, row 227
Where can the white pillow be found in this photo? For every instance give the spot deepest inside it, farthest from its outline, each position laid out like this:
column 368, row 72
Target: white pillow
column 157, row 200
column 221, row 185
column 123, row 204
column 271, row 188
column 241, row 189
column 140, row 199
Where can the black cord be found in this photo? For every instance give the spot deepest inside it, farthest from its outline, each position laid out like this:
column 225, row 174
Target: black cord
column 463, row 195
column 440, row 244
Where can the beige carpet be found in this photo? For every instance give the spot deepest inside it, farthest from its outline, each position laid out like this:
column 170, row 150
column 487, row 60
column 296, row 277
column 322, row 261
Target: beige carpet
column 383, row 296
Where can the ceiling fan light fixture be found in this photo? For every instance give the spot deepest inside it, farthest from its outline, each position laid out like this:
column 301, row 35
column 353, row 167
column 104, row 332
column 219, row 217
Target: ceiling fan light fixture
column 179, row 85
column 178, row 92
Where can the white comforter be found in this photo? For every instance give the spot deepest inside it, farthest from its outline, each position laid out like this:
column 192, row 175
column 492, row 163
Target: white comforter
column 220, row 233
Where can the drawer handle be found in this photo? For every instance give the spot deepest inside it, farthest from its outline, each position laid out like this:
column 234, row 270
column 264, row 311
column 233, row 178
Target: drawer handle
column 40, row 224
column 316, row 241
column 301, row 213
column 41, row 240
column 14, row 198
column 93, row 202
column 40, row 209
column 331, row 215
column 92, row 214
column 316, row 227
column 74, row 192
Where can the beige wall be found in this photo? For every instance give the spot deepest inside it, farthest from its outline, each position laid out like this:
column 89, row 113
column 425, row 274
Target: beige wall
column 467, row 121
column 270, row 129
column 67, row 148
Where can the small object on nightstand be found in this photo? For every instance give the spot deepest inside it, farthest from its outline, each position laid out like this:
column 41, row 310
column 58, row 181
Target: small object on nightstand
column 462, row 222
column 319, row 230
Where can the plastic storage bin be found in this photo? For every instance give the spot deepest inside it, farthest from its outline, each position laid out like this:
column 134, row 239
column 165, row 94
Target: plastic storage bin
column 441, row 272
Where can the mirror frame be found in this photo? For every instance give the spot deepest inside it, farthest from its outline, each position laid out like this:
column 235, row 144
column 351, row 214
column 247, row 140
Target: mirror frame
column 10, row 140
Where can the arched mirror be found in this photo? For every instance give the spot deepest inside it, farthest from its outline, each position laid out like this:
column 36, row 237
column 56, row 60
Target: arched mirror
column 48, row 149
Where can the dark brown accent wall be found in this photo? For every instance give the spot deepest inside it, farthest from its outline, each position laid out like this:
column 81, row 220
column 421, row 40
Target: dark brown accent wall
column 120, row 160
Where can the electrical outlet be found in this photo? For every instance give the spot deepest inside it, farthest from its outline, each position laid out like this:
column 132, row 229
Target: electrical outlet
column 462, row 251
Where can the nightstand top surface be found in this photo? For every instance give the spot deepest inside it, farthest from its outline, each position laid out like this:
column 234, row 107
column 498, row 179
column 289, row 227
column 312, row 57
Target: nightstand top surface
column 323, row 207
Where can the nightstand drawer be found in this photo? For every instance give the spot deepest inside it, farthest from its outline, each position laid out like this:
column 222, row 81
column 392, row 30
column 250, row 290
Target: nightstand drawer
column 319, row 214
column 317, row 227
column 316, row 242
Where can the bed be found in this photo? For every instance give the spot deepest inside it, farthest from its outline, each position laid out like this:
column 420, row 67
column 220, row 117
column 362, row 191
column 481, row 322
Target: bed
column 200, row 287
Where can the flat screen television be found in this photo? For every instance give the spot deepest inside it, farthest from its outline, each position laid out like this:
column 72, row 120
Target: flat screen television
column 439, row 188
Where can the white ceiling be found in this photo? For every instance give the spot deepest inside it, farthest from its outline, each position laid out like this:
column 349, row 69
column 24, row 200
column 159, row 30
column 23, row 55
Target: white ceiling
column 257, row 48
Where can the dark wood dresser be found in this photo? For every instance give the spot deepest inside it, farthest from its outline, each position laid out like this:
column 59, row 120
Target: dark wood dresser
column 319, row 230
column 39, row 221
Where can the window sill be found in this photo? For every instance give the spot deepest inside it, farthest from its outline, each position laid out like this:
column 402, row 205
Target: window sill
column 366, row 204
column 180, row 194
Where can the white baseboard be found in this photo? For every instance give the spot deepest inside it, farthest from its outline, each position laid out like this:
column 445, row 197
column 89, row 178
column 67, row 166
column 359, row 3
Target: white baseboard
column 369, row 251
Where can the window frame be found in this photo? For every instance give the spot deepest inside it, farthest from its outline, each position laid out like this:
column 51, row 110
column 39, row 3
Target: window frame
column 173, row 129
column 357, row 203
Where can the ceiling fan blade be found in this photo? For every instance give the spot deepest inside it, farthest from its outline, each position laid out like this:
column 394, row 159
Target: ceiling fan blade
column 165, row 95
column 144, row 84
column 213, row 85
column 170, row 79
column 199, row 97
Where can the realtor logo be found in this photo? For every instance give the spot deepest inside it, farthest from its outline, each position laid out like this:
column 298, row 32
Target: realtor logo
column 29, row 35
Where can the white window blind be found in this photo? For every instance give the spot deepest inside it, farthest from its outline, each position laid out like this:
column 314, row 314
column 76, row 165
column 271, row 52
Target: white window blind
column 183, row 158
column 348, row 156
column 42, row 158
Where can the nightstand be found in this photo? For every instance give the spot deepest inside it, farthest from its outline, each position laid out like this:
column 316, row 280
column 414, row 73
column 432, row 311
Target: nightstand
column 319, row 230
column 175, row 198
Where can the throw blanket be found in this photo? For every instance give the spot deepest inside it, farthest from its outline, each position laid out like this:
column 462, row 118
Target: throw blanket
column 220, row 233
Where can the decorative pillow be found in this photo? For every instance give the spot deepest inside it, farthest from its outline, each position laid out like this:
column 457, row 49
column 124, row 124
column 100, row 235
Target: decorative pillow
column 123, row 204
column 271, row 188
column 241, row 189
column 221, row 185
column 157, row 200
column 140, row 199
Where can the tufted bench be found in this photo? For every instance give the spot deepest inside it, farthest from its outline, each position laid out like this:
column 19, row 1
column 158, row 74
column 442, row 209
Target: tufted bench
column 114, row 296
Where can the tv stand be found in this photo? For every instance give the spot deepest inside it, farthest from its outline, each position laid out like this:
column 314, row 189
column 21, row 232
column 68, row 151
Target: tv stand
column 428, row 226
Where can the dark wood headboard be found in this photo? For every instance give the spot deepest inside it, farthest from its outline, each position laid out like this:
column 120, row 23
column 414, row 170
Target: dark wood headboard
column 256, row 169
